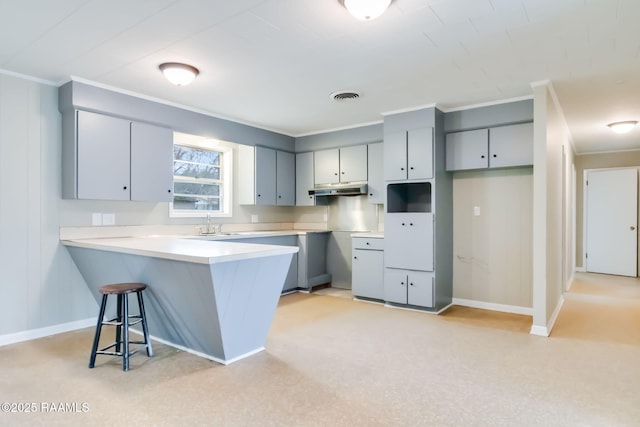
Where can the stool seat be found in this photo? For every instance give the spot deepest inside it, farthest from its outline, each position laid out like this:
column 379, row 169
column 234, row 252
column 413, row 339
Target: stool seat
column 122, row 322
column 122, row 288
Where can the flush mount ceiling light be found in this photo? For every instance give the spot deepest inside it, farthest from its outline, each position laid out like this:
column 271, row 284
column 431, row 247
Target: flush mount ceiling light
column 366, row 9
column 179, row 74
column 623, row 127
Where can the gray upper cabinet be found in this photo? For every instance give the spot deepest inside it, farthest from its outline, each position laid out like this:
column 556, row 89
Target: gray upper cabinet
column 511, row 145
column 103, row 150
column 285, row 178
column 408, row 155
column 496, row 147
column 116, row 159
column 304, row 179
column 375, row 173
column 151, row 163
column 326, row 167
column 467, row 150
column 348, row 164
column 267, row 176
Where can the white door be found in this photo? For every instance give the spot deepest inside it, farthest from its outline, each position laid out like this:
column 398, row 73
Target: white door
column 612, row 212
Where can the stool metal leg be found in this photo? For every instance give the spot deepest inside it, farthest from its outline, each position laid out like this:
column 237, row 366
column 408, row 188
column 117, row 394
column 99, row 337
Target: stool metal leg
column 119, row 320
column 96, row 337
column 145, row 328
column 125, row 333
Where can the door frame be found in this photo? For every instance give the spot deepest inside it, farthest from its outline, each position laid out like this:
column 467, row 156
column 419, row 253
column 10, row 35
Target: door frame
column 585, row 200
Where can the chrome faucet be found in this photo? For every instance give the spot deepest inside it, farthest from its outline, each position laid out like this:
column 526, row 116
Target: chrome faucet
column 209, row 228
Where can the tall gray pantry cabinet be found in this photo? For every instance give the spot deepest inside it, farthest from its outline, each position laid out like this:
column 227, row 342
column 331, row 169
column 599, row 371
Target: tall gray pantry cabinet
column 418, row 220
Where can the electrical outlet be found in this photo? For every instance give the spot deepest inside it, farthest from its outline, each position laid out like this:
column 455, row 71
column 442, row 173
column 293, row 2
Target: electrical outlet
column 96, row 218
column 325, row 217
column 254, row 218
column 476, row 211
column 109, row 219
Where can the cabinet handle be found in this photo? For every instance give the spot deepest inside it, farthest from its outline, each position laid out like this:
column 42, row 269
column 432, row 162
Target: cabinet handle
column 411, row 224
column 402, row 283
column 336, row 173
column 342, row 173
column 401, row 169
column 279, row 197
column 367, row 243
column 311, row 197
column 411, row 168
column 495, row 155
column 355, row 257
column 410, row 284
column 124, row 188
column 371, row 194
column 259, row 195
column 482, row 157
column 169, row 191
column 403, row 224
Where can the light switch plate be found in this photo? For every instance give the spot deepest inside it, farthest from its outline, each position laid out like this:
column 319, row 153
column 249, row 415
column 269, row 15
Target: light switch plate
column 96, row 218
column 476, row 211
column 254, row 218
column 109, row 219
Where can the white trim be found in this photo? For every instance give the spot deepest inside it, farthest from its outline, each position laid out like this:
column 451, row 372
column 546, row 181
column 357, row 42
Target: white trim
column 319, row 132
column 33, row 334
column 591, row 153
column 540, row 83
column 541, row 331
column 545, row 331
column 26, row 77
column 409, row 109
column 198, row 353
column 486, row 104
column 527, row 311
column 581, row 269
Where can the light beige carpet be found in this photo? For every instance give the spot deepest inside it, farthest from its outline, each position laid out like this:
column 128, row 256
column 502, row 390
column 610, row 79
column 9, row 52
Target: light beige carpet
column 333, row 361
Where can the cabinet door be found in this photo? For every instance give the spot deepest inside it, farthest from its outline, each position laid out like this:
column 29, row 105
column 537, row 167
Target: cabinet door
column 353, row 164
column 409, row 241
column 285, row 178
column 304, row 179
column 375, row 172
column 265, row 176
column 326, row 167
column 395, row 285
column 367, row 274
column 511, row 145
column 420, row 153
column 467, row 150
column 151, row 163
column 420, row 289
column 103, row 157
column 395, row 156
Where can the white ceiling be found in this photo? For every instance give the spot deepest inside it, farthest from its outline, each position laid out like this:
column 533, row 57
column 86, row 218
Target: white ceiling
column 274, row 63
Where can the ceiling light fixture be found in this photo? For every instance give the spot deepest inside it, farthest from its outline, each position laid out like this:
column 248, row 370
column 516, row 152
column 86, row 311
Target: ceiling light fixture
column 366, row 10
column 179, row 74
column 623, row 127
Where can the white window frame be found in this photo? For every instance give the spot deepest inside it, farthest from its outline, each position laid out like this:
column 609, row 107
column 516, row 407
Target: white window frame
column 226, row 200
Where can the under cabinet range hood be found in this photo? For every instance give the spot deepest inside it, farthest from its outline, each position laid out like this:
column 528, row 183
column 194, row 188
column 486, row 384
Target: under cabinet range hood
column 352, row 189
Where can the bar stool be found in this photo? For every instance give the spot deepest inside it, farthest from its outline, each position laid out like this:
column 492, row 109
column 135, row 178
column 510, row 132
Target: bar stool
column 122, row 321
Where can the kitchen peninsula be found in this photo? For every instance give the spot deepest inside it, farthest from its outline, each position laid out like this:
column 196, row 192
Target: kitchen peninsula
column 216, row 299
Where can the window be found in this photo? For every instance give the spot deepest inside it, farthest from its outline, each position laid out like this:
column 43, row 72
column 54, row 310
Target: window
column 201, row 177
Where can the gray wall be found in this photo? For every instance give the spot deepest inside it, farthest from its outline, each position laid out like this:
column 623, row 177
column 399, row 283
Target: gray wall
column 340, row 138
column 41, row 286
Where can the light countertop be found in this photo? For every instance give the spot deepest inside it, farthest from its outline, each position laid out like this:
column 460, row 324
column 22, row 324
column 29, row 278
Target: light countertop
column 184, row 248
column 370, row 234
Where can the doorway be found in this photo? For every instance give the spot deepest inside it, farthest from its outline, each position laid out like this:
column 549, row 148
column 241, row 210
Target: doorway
column 611, row 214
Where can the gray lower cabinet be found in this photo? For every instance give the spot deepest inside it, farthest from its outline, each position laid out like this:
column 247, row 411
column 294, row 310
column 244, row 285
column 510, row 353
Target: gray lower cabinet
column 409, row 240
column 409, row 287
column 367, row 274
column 108, row 158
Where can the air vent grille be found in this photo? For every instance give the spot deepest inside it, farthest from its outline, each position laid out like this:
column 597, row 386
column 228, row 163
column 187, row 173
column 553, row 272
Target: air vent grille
column 344, row 95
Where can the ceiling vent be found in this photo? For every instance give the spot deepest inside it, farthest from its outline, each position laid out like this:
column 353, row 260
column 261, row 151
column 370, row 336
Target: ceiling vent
column 344, row 95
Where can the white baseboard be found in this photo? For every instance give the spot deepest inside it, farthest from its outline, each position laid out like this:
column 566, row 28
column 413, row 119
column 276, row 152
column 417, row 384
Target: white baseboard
column 45, row 332
column 545, row 331
column 527, row 311
column 581, row 269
